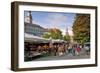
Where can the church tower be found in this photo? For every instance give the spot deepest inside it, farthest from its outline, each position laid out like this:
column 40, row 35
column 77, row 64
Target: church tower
column 67, row 34
column 30, row 17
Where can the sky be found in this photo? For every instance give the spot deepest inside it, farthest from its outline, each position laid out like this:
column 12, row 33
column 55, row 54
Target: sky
column 58, row 20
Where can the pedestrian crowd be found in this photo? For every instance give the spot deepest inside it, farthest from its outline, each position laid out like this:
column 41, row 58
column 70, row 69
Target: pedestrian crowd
column 57, row 49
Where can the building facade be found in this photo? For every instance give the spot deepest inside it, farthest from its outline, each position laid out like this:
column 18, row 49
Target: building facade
column 34, row 29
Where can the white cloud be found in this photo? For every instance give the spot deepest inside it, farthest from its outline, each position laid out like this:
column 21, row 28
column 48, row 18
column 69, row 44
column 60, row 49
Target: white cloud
column 70, row 32
column 63, row 31
column 56, row 20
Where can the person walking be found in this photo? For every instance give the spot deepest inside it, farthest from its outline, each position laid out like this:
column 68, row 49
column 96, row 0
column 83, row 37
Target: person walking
column 73, row 50
column 78, row 50
column 69, row 49
column 87, row 50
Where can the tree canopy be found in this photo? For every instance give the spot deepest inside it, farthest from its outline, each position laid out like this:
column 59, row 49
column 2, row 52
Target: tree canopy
column 66, row 38
column 53, row 33
column 81, row 28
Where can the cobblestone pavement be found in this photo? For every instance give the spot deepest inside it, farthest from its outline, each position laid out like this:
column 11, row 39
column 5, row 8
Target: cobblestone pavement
column 64, row 57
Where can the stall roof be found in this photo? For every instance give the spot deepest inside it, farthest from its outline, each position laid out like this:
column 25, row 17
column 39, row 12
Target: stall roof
column 30, row 38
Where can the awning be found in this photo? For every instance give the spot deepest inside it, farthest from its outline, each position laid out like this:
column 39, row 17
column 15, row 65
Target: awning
column 32, row 38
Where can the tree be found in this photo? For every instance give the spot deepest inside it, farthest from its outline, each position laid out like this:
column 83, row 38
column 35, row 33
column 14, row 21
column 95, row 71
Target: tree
column 46, row 35
column 53, row 33
column 81, row 28
column 66, row 38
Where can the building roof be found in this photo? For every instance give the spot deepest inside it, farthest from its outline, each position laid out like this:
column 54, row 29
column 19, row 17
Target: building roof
column 34, row 25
